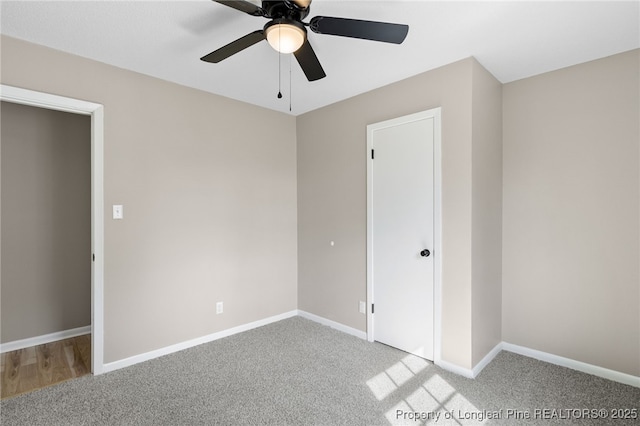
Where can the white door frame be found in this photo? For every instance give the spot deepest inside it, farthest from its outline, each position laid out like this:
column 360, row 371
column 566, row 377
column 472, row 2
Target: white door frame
column 434, row 113
column 96, row 111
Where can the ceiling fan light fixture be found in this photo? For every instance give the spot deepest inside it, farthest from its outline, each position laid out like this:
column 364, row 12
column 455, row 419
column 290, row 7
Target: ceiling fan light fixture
column 285, row 36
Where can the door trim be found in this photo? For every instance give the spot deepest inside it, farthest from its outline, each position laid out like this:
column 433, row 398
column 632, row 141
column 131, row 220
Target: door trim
column 435, row 114
column 96, row 111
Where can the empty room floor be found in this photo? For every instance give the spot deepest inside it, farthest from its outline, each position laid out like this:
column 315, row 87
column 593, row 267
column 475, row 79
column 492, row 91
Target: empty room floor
column 298, row 372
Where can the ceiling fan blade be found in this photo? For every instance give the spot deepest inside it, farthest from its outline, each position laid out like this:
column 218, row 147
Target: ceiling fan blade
column 368, row 30
column 234, row 47
column 309, row 62
column 243, row 6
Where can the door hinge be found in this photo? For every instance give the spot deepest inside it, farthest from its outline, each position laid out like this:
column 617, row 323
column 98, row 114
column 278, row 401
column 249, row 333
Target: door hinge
column 373, row 308
column 372, row 154
column 93, row 257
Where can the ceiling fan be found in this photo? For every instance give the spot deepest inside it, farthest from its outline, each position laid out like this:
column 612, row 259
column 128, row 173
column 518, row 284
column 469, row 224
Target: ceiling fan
column 286, row 32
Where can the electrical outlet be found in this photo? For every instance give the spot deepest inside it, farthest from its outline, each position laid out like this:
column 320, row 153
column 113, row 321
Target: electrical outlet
column 219, row 308
column 363, row 307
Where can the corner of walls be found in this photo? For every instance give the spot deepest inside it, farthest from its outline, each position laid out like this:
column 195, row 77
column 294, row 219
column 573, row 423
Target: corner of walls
column 486, row 244
column 331, row 226
column 457, row 136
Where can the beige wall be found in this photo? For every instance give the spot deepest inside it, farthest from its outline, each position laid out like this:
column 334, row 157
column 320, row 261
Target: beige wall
column 46, row 221
column 209, row 195
column 332, row 200
column 210, row 205
column 486, row 245
column 571, row 211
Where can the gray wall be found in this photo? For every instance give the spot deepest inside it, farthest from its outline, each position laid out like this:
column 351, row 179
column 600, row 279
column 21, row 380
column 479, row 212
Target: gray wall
column 46, row 221
column 209, row 194
column 571, row 213
column 486, row 199
column 210, row 205
column 556, row 267
column 332, row 201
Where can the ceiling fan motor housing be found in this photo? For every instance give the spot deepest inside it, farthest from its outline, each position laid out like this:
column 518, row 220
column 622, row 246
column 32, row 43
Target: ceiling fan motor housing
column 294, row 10
column 284, row 21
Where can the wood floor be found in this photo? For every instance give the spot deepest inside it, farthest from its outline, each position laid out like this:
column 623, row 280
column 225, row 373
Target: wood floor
column 28, row 369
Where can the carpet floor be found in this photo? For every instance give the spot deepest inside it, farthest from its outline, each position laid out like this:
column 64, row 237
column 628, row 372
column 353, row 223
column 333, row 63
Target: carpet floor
column 298, row 372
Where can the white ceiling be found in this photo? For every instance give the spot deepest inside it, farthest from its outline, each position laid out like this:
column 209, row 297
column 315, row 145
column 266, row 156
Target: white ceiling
column 165, row 39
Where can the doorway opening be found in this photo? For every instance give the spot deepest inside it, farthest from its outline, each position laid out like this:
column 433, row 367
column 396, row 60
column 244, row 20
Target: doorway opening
column 95, row 111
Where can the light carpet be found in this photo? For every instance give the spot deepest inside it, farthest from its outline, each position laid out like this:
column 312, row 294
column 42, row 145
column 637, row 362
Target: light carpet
column 298, row 372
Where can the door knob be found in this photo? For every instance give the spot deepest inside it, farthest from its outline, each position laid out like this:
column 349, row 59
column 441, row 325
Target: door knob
column 425, row 253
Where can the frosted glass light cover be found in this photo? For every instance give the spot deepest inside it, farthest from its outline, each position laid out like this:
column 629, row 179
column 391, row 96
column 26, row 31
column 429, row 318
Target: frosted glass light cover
column 285, row 38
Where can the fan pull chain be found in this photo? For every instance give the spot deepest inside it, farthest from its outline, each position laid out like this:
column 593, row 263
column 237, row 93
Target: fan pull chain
column 290, row 91
column 279, row 62
column 279, row 76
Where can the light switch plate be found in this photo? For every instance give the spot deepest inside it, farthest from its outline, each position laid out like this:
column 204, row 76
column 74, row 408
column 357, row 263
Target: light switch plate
column 118, row 212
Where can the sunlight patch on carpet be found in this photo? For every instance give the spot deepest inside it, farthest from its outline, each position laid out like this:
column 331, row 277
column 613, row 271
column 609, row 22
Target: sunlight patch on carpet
column 395, row 376
column 434, row 402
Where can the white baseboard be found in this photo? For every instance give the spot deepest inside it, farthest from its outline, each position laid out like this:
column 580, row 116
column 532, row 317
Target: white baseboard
column 470, row 373
column 116, row 365
column 46, row 338
column 464, row 372
column 487, row 359
column 333, row 324
column 595, row 370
